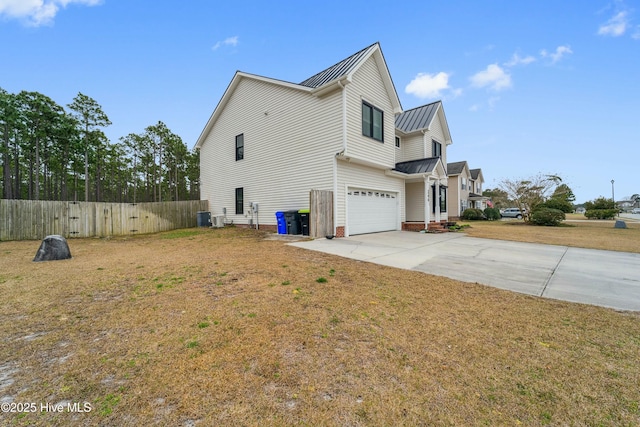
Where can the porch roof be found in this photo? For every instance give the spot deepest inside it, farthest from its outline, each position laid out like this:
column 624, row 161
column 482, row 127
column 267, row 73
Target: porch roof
column 417, row 166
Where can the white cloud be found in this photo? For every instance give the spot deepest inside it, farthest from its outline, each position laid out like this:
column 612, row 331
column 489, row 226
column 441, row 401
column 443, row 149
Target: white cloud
column 429, row 85
column 38, row 12
column 616, row 26
column 556, row 56
column 493, row 77
column 517, row 60
column 230, row 41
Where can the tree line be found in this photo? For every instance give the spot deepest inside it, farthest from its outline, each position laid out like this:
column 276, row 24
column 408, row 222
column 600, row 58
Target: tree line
column 50, row 152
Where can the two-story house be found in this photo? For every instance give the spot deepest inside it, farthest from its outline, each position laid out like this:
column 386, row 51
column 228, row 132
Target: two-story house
column 465, row 188
column 270, row 142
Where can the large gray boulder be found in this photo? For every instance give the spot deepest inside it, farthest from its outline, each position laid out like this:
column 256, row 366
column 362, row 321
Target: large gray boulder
column 53, row 248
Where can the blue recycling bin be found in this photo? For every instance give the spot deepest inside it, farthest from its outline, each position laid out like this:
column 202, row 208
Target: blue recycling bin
column 282, row 223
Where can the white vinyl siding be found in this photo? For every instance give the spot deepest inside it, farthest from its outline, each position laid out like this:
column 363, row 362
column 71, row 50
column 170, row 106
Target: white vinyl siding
column 436, row 133
column 290, row 140
column 412, row 148
column 415, row 201
column 367, row 86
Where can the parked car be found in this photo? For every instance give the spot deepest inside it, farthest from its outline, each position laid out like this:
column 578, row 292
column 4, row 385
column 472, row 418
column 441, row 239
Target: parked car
column 635, row 211
column 511, row 213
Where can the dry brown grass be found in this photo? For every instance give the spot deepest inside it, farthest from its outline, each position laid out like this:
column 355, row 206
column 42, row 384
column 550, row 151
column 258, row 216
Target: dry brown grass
column 581, row 234
column 222, row 327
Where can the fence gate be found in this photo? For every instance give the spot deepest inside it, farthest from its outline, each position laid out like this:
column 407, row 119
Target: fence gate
column 131, row 218
column 74, row 219
column 321, row 215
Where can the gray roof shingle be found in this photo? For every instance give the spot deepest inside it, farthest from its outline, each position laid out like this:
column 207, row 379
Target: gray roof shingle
column 417, row 118
column 455, row 168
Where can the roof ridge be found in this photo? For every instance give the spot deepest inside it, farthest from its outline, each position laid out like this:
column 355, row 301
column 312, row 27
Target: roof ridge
column 421, row 106
column 338, row 69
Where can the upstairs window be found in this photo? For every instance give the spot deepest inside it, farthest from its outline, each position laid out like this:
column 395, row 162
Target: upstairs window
column 397, row 142
column 240, row 147
column 372, row 122
column 436, row 148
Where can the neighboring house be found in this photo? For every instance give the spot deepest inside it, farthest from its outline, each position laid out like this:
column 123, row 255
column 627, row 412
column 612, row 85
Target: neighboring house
column 270, row 142
column 459, row 187
column 465, row 188
column 476, row 199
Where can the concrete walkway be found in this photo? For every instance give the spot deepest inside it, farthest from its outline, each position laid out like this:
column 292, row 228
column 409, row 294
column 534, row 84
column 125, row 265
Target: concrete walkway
column 604, row 278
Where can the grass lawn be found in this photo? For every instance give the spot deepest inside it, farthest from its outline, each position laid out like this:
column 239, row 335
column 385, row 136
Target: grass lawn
column 207, row 327
column 576, row 232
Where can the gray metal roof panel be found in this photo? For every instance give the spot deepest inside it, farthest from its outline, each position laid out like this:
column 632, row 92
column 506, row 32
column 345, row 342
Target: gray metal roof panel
column 417, row 118
column 417, row 166
column 338, row 70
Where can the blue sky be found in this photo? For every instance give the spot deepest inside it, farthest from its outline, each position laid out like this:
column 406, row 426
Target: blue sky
column 528, row 87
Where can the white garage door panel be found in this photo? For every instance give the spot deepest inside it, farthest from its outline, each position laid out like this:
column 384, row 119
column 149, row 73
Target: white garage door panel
column 371, row 211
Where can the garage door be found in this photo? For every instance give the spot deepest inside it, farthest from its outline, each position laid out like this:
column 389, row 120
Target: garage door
column 371, row 211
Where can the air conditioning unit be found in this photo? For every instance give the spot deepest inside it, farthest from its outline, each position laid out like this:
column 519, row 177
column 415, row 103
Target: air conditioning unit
column 217, row 221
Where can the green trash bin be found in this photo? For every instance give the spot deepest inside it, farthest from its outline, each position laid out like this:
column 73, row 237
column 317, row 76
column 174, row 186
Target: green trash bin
column 304, row 221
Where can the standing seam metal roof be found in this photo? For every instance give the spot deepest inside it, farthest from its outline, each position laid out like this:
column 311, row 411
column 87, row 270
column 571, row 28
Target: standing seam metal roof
column 417, row 118
column 417, row 166
column 338, row 70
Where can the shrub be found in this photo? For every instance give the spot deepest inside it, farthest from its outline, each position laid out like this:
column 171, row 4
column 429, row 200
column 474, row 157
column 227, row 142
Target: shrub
column 601, row 213
column 492, row 213
column 472, row 214
column 560, row 204
column 600, row 203
column 547, row 216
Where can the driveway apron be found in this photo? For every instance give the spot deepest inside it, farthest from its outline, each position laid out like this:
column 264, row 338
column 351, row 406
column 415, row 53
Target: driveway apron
column 605, row 278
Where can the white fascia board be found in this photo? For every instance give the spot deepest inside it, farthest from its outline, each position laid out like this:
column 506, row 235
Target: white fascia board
column 445, row 128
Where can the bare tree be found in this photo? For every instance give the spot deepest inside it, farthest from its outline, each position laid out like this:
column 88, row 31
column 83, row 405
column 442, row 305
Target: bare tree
column 530, row 192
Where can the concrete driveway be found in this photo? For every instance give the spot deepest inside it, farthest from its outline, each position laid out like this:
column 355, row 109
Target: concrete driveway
column 604, row 278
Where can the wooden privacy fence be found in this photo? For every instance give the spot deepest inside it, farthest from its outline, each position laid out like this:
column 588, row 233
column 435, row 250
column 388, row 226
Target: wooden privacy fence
column 35, row 219
column 321, row 213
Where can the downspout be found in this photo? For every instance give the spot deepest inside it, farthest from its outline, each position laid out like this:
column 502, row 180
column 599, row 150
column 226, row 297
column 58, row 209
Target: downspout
column 424, row 143
column 343, row 152
column 344, row 117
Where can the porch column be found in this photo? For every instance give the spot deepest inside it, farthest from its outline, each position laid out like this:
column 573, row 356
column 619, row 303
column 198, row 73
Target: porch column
column 427, row 205
column 438, row 200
